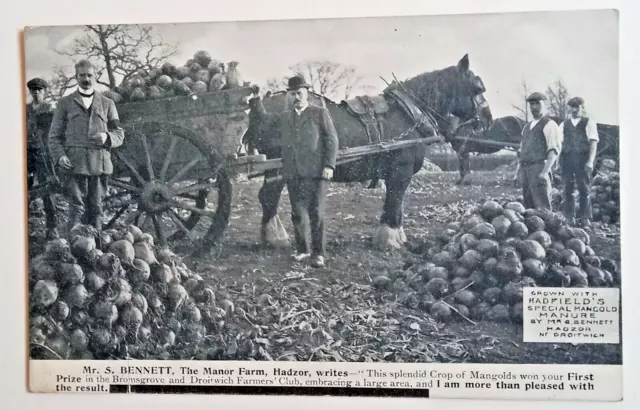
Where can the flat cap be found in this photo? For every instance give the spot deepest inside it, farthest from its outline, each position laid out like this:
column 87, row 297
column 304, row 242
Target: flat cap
column 536, row 97
column 37, row 83
column 575, row 102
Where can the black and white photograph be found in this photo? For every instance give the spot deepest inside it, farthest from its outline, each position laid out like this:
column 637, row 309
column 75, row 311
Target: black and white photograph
column 424, row 190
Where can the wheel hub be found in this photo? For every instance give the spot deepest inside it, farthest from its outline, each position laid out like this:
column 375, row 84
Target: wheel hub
column 155, row 197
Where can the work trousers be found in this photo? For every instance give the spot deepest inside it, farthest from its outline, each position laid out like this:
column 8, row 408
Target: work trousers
column 37, row 170
column 572, row 166
column 86, row 194
column 307, row 198
column 536, row 193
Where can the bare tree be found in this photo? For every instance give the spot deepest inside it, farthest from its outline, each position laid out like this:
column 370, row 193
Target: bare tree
column 60, row 83
column 557, row 98
column 274, row 85
column 328, row 78
column 119, row 51
column 523, row 107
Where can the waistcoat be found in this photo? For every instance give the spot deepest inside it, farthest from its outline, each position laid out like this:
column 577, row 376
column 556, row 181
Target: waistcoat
column 575, row 137
column 534, row 143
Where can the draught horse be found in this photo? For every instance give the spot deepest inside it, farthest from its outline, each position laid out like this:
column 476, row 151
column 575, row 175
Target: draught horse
column 427, row 105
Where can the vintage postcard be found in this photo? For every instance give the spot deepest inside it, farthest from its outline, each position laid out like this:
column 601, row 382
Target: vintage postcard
column 423, row 206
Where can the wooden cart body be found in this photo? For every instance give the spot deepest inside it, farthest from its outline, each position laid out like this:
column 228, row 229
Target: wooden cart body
column 177, row 160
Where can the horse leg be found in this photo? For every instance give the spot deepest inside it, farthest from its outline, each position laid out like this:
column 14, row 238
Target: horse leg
column 272, row 231
column 465, row 165
column 390, row 234
column 374, row 164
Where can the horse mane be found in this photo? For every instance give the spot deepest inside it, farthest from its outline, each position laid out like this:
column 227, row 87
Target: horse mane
column 433, row 90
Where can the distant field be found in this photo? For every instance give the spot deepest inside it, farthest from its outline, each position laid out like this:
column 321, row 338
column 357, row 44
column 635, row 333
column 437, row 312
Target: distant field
column 449, row 162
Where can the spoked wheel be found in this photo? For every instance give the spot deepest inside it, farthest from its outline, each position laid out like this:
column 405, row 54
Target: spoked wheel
column 169, row 181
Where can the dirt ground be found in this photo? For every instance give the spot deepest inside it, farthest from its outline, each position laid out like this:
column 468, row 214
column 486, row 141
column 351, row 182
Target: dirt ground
column 346, row 317
column 352, row 214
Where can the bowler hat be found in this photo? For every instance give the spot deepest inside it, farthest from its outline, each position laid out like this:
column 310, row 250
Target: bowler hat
column 536, row 97
column 297, row 82
column 36, row 83
column 575, row 102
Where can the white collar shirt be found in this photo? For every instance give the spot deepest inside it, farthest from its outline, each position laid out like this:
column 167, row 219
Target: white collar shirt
column 301, row 110
column 87, row 101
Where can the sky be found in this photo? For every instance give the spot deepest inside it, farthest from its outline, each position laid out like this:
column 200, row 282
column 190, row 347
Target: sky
column 580, row 48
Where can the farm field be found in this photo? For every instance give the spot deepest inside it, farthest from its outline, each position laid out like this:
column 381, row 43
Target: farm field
column 288, row 311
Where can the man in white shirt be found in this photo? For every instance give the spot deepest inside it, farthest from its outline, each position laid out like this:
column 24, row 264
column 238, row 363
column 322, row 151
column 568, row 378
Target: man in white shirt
column 540, row 145
column 580, row 142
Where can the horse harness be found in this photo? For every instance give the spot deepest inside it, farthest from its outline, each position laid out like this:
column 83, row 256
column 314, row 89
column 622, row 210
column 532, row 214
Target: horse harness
column 371, row 110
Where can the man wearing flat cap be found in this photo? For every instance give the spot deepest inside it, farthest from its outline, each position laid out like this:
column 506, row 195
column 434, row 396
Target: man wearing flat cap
column 540, row 145
column 580, row 141
column 39, row 117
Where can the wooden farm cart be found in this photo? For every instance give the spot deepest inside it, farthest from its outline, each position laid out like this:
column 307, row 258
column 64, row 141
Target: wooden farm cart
column 173, row 172
column 172, row 176
column 256, row 169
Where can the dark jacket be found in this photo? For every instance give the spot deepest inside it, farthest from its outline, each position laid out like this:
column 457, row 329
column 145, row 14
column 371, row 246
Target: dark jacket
column 72, row 126
column 309, row 142
column 38, row 123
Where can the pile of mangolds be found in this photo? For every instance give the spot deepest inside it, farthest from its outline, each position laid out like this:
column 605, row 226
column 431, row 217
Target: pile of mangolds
column 126, row 298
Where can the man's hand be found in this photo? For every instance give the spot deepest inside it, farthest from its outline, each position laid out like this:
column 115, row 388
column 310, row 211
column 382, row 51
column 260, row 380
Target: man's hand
column 99, row 138
column 327, row 173
column 516, row 176
column 65, row 162
column 516, row 179
column 542, row 177
column 589, row 168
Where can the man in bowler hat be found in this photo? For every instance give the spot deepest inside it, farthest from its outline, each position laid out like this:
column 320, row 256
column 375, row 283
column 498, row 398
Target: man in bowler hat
column 580, row 142
column 539, row 148
column 309, row 148
column 39, row 166
column 85, row 128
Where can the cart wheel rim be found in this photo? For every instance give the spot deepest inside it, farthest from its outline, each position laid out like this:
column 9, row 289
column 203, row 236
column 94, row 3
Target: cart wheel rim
column 170, row 175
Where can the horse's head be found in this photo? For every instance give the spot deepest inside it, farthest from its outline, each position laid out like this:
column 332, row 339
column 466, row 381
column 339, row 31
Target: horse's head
column 469, row 106
column 454, row 96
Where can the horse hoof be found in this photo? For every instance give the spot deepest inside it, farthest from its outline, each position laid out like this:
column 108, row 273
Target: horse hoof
column 274, row 234
column 403, row 236
column 387, row 238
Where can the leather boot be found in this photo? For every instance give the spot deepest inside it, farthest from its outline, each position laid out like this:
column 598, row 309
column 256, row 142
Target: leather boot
column 317, row 261
column 97, row 223
column 74, row 220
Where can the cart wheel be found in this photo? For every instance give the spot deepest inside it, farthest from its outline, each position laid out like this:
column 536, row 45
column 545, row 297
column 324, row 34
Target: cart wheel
column 170, row 179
